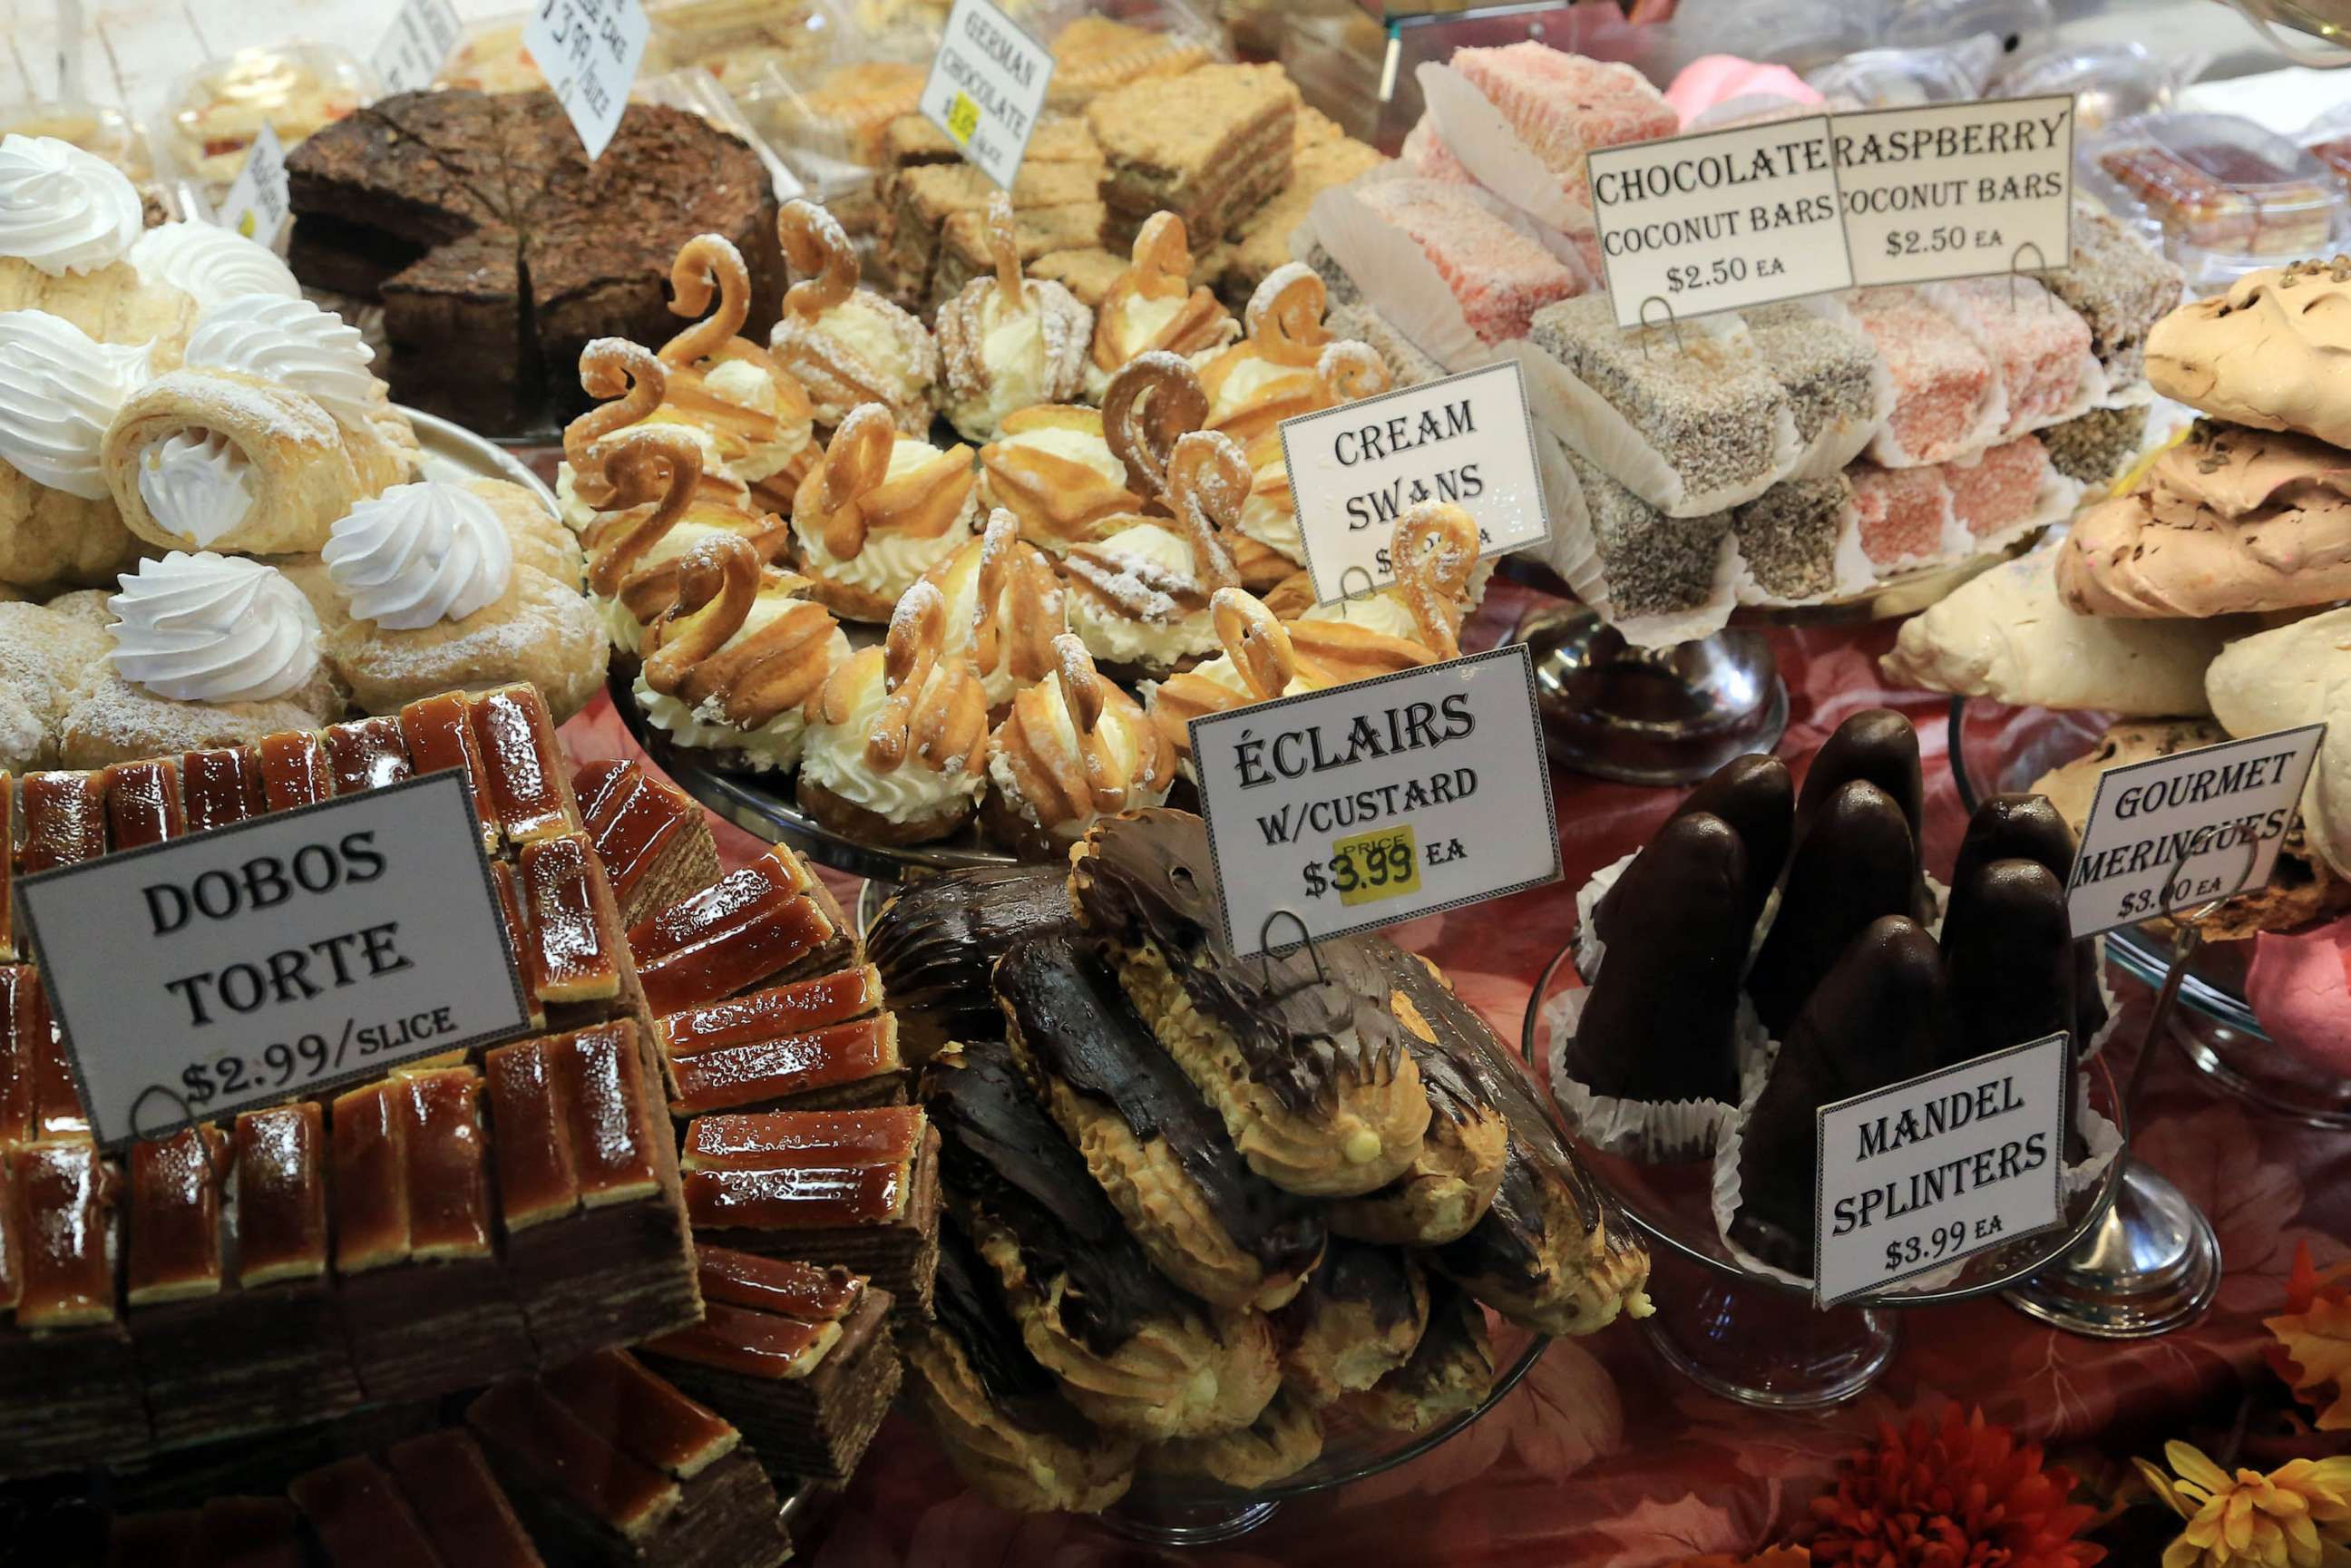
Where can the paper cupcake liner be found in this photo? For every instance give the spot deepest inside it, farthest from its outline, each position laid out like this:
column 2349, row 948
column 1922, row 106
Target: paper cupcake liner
column 1487, row 145
column 1669, row 1131
column 1589, row 948
column 1853, row 572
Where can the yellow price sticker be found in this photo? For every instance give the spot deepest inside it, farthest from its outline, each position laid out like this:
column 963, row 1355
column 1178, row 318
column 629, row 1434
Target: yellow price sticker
column 963, row 117
column 1373, row 867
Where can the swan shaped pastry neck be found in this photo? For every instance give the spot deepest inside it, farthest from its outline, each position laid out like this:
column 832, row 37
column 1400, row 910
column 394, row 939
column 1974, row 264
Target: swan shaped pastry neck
column 1435, row 551
column 1154, row 398
column 706, row 265
column 815, row 244
column 662, row 467
column 610, row 369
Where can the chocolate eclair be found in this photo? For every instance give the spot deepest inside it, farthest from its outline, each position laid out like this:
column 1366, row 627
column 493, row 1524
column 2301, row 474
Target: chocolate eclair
column 937, row 938
column 1660, row 1023
column 1356, row 1321
column 1880, row 1016
column 2010, row 956
column 2030, row 827
column 1298, row 1054
column 1160, row 1156
column 1133, row 1350
column 1285, row 1438
column 1000, row 1416
column 1451, row 1370
column 1856, row 863
column 1755, row 796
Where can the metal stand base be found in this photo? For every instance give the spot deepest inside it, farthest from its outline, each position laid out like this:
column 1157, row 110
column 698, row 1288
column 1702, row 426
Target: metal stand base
column 2149, row 1266
column 1189, row 1524
column 1765, row 1346
column 2263, row 1072
column 1651, row 715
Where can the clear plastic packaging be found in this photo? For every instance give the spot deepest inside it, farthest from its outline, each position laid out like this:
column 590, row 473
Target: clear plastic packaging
column 2228, row 196
column 106, row 132
column 695, row 90
column 735, row 40
column 492, row 58
column 2110, row 82
column 216, row 111
column 2328, row 140
column 2019, row 27
column 1109, row 43
column 1905, row 78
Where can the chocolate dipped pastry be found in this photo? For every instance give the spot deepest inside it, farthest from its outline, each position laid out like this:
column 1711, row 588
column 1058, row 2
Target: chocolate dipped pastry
column 1754, row 794
column 1876, row 743
column 1661, row 1021
column 1132, row 1349
column 1203, row 1218
column 2031, row 827
column 1285, row 1438
column 1356, row 1321
column 1002, row 1420
column 1878, row 1016
column 1450, row 1372
column 1855, row 861
column 937, row 940
column 1314, row 1078
column 2009, row 954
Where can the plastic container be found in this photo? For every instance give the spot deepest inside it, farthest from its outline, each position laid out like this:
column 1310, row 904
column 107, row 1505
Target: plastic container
column 2110, row 82
column 2228, row 196
column 695, row 90
column 2021, row 27
column 2328, row 140
column 1101, row 46
column 735, row 40
column 106, row 132
column 216, row 111
column 1905, row 78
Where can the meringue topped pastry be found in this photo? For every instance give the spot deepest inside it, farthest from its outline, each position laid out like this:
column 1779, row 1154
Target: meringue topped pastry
column 418, row 555
column 634, row 551
column 63, row 211
column 296, row 344
column 847, row 345
column 1007, row 342
column 881, row 510
column 1005, row 606
column 1152, row 306
column 210, row 263
column 1050, row 468
column 1289, row 364
column 896, row 748
column 1074, row 748
column 757, row 416
column 59, row 391
column 208, row 628
column 196, row 484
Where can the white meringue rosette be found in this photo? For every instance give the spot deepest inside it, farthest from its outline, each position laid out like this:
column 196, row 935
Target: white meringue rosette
column 211, row 628
column 418, row 555
column 62, row 209
column 211, row 265
column 59, row 391
column 197, row 485
column 293, row 343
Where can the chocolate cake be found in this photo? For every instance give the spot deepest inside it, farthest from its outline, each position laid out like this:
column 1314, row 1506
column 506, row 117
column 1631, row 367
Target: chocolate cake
column 499, row 249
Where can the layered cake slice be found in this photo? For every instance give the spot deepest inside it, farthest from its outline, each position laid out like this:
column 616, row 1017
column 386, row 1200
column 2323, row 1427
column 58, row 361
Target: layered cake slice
column 1211, row 146
column 654, row 841
column 771, row 919
column 813, row 1044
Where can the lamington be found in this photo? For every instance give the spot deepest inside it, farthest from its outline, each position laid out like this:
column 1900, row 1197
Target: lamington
column 1654, row 564
column 1211, row 146
column 1788, row 536
column 1945, row 389
column 2001, row 488
column 2095, row 448
column 2121, row 286
column 1829, row 369
column 1500, row 277
column 1563, row 106
column 1904, row 513
column 2038, row 343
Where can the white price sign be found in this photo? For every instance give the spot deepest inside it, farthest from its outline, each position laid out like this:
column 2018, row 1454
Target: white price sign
column 1373, row 802
column 986, row 87
column 274, row 958
column 1719, row 221
column 258, row 202
column 1956, row 190
column 590, row 52
column 1356, row 470
column 1915, row 1176
column 419, row 42
column 2177, row 831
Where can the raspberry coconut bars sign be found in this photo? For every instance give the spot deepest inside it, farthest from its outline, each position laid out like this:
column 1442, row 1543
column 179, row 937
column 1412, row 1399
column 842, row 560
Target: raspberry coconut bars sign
column 986, row 87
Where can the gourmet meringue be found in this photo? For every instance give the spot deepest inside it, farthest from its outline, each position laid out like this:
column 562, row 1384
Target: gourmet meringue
column 2271, row 353
column 1052, row 469
column 59, row 391
column 418, row 555
column 293, row 343
column 881, row 509
column 1074, row 748
column 62, row 209
column 196, row 485
column 1007, row 342
column 213, row 629
column 847, row 345
column 896, row 743
column 1154, row 307
column 211, row 265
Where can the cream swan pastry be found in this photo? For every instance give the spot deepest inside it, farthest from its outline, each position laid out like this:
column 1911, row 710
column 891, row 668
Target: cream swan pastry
column 1270, row 549
column 631, row 385
column 896, row 748
column 847, row 345
column 1415, row 620
column 1007, row 342
column 757, row 416
column 1074, row 748
column 1052, row 468
column 1257, row 664
column 1005, row 606
column 659, row 514
column 1152, row 306
column 882, row 508
column 1285, row 366
column 731, row 668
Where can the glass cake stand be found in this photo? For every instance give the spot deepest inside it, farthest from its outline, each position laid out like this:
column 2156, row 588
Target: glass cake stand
column 1758, row 1340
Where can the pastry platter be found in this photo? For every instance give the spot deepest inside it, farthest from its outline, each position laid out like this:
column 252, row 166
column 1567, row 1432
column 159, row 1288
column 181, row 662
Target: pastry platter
column 451, row 451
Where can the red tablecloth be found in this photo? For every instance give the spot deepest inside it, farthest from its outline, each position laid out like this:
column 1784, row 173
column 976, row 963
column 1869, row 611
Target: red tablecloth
column 1605, row 1455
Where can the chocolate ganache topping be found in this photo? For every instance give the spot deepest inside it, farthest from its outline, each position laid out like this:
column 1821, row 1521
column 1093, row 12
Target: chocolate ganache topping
column 935, row 941
column 969, row 1307
column 1379, row 1278
column 1000, row 1153
column 1068, row 1011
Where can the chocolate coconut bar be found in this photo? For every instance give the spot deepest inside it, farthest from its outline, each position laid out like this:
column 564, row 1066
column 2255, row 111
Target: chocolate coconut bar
column 653, row 839
column 798, row 1358
column 1654, row 564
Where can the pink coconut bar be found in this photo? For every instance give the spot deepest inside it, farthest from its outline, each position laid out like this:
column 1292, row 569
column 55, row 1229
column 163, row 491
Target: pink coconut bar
column 2037, row 341
column 1941, row 380
column 1500, row 277
column 1563, row 106
column 2000, row 489
column 1903, row 511
column 1425, row 153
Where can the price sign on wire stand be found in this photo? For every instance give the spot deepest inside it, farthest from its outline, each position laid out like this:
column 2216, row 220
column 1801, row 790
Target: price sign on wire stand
column 257, row 200
column 590, row 52
column 986, row 87
column 274, row 958
column 422, row 35
column 1956, row 190
column 1373, row 802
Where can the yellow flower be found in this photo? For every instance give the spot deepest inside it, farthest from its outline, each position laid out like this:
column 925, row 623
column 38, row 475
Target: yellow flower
column 2297, row 1516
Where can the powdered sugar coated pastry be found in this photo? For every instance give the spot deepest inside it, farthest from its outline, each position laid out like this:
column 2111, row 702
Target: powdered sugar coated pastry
column 210, row 263
column 847, row 345
column 59, row 391
column 61, row 209
column 293, row 343
column 213, row 629
column 1007, row 342
column 418, row 555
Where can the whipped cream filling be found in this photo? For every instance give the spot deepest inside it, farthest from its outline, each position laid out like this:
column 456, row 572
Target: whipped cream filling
column 1114, row 637
column 892, row 559
column 418, row 555
column 211, row 265
column 875, row 332
column 62, row 209
column 59, row 391
column 742, row 383
column 213, row 629
column 1124, row 754
column 196, row 485
column 1383, row 612
column 1247, row 382
column 1075, row 446
column 1268, row 515
column 834, row 757
column 293, row 341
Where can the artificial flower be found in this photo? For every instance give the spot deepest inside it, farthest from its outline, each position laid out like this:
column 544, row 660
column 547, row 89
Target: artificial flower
column 2312, row 1352
column 1960, row 1494
column 2297, row 1516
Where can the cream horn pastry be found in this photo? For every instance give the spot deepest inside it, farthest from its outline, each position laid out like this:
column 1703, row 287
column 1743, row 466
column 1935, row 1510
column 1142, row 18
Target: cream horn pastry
column 895, row 750
column 1415, row 620
column 1356, row 1321
column 1073, row 749
column 59, row 389
column 634, row 551
column 1285, row 1438
column 1155, row 1149
column 1853, row 863
column 1133, row 1352
column 881, row 509
column 1000, row 1416
column 1288, row 363
column 937, row 940
column 1052, row 468
column 286, row 341
column 722, row 384
column 1313, row 1080
column 1152, row 308
column 628, row 383
column 1005, row 606
column 1450, row 1374
column 733, row 665
column 1007, row 342
column 1258, row 663
column 847, row 345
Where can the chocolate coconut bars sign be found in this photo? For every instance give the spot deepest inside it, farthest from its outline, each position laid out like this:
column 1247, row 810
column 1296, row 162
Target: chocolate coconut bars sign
column 274, row 958
column 1370, row 803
